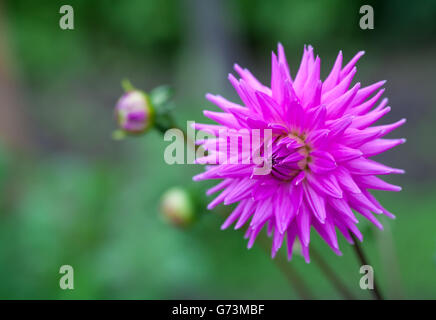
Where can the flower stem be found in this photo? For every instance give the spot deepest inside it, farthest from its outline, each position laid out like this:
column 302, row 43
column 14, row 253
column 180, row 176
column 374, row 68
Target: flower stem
column 364, row 261
column 330, row 274
column 295, row 280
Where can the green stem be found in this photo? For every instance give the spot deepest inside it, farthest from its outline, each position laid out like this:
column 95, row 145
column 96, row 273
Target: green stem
column 295, row 280
column 364, row 261
column 331, row 275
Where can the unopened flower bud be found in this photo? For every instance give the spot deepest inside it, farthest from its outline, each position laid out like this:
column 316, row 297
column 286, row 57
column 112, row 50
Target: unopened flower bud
column 177, row 207
column 134, row 112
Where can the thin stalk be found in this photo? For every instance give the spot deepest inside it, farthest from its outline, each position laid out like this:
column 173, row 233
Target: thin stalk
column 364, row 261
column 331, row 275
column 294, row 279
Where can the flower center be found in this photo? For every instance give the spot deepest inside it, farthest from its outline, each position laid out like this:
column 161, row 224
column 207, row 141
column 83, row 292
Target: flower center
column 290, row 156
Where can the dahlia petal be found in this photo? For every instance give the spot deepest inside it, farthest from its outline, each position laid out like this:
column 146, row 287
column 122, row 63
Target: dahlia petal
column 277, row 243
column 339, row 106
column 256, row 123
column 283, row 61
column 220, row 198
column 354, row 138
column 269, row 108
column 340, row 89
column 225, row 119
column 219, row 186
column 210, row 128
column 326, row 184
column 322, row 162
column 343, row 153
column 302, row 74
column 328, row 233
column 377, row 146
column 233, row 216
column 310, row 58
column 315, row 118
column 241, row 190
column 303, row 222
column 246, row 213
column 346, row 180
column 363, row 122
column 344, row 230
column 250, row 97
column 292, row 158
column 223, row 103
column 244, row 94
column 371, row 198
column 312, row 84
column 253, row 236
column 316, row 202
column 352, row 227
column 317, row 138
column 305, row 253
column 338, row 126
column 262, row 191
column 291, row 234
column 290, row 143
column 342, row 207
column 370, row 217
column 333, row 77
column 276, row 79
column 297, row 117
column 364, row 93
column 288, row 205
column 362, row 166
column 387, row 128
column 224, row 171
column 366, row 106
column 389, row 214
column 262, row 213
column 372, row 182
column 250, row 79
column 329, row 183
column 299, row 178
column 315, row 98
column 381, row 105
column 359, row 200
column 350, row 65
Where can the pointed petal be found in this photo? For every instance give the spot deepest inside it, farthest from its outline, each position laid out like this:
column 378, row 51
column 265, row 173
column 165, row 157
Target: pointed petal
column 321, row 162
column 378, row 146
column 316, row 202
column 362, row 166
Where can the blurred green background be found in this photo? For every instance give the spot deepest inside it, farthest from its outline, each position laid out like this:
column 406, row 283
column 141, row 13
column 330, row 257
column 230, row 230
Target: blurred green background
column 71, row 195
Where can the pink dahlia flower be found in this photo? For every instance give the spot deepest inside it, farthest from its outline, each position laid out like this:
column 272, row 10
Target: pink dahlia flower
column 322, row 141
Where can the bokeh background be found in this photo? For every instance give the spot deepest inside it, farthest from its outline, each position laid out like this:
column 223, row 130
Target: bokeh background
column 69, row 194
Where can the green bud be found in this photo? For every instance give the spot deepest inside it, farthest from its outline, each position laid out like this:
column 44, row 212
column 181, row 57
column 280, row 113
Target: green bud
column 177, row 207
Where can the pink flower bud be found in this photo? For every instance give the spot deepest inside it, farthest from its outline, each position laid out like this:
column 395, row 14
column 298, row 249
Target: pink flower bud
column 134, row 112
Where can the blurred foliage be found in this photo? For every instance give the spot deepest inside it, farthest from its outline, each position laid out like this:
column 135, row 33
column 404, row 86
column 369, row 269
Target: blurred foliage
column 80, row 198
column 142, row 29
